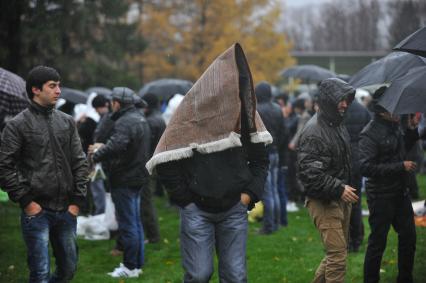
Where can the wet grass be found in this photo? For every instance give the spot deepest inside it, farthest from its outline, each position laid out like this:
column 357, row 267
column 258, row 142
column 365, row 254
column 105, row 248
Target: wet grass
column 290, row 255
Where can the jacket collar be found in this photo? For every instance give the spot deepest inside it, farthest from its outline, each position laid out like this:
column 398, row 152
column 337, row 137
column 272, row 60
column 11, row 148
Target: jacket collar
column 41, row 109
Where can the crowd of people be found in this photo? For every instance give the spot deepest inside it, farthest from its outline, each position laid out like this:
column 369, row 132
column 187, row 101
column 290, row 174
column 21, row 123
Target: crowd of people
column 226, row 146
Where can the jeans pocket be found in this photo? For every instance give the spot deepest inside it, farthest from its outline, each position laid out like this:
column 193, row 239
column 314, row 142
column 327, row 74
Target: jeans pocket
column 29, row 217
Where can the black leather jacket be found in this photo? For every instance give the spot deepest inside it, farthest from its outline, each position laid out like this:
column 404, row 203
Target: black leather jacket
column 41, row 159
column 127, row 150
column 383, row 148
column 323, row 153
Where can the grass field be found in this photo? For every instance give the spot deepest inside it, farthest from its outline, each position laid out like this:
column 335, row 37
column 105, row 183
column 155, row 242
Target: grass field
column 290, row 255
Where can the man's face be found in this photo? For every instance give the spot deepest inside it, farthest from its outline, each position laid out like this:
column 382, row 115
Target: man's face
column 48, row 95
column 390, row 117
column 115, row 106
column 102, row 110
column 342, row 107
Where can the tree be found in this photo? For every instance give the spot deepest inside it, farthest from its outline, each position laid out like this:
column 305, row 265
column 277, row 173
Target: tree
column 89, row 42
column 406, row 18
column 184, row 37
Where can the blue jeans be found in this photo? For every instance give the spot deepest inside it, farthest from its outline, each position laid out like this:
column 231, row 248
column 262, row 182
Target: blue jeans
column 127, row 206
column 282, row 194
column 271, row 200
column 201, row 232
column 60, row 229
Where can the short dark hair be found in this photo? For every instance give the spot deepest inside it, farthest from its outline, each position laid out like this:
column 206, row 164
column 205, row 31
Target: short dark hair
column 38, row 76
column 99, row 101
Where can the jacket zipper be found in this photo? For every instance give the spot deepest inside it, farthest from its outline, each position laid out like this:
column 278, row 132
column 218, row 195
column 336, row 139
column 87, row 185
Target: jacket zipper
column 51, row 141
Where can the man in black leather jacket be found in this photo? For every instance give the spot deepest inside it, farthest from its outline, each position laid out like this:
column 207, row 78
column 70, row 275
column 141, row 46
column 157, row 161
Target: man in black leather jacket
column 126, row 153
column 325, row 171
column 44, row 168
column 383, row 147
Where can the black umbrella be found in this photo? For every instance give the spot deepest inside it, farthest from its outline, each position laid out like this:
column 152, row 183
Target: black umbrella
column 13, row 96
column 100, row 90
column 387, row 69
column 73, row 95
column 307, row 72
column 166, row 88
column 406, row 94
column 414, row 43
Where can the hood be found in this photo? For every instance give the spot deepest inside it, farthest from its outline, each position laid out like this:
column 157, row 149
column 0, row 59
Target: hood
column 331, row 92
column 209, row 117
column 263, row 92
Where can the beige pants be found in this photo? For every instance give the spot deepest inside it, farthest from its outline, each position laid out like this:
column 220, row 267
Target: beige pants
column 332, row 221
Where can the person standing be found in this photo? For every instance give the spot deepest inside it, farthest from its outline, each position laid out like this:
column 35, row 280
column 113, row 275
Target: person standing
column 126, row 152
column 356, row 119
column 383, row 147
column 213, row 162
column 324, row 163
column 272, row 116
column 44, row 169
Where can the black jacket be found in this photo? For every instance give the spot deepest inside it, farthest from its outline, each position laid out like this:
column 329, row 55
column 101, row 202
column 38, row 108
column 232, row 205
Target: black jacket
column 157, row 126
column 41, row 159
column 127, row 150
column 383, row 148
column 215, row 181
column 323, row 147
column 356, row 119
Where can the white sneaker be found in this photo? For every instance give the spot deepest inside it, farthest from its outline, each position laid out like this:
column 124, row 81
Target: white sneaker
column 123, row 271
column 292, row 207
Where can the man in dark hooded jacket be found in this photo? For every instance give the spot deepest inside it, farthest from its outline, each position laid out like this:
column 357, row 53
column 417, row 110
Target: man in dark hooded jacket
column 383, row 147
column 325, row 171
column 127, row 151
column 273, row 118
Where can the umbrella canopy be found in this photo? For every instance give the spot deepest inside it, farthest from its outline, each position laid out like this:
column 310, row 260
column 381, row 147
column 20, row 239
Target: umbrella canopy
column 166, row 88
column 307, row 72
column 100, row 90
column 414, row 43
column 13, row 96
column 387, row 69
column 406, row 94
column 73, row 95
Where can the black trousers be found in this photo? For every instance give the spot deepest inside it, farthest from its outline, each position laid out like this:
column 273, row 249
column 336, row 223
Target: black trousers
column 384, row 212
column 356, row 228
column 149, row 215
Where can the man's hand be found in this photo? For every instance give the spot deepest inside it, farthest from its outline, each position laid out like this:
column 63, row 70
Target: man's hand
column 245, row 199
column 94, row 147
column 32, row 208
column 410, row 166
column 73, row 209
column 349, row 194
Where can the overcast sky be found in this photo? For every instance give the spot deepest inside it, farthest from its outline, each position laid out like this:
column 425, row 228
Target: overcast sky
column 299, row 3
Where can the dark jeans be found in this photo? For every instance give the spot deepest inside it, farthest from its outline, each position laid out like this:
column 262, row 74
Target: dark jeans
column 60, row 229
column 282, row 193
column 384, row 212
column 270, row 198
column 127, row 206
column 149, row 216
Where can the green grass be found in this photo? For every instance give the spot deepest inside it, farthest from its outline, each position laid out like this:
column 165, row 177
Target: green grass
column 290, row 255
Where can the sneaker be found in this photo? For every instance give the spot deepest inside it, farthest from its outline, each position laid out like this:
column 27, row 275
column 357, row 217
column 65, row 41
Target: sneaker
column 123, row 272
column 292, row 207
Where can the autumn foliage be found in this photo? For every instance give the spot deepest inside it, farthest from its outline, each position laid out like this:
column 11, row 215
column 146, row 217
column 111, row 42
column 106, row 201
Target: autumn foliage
column 184, row 37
